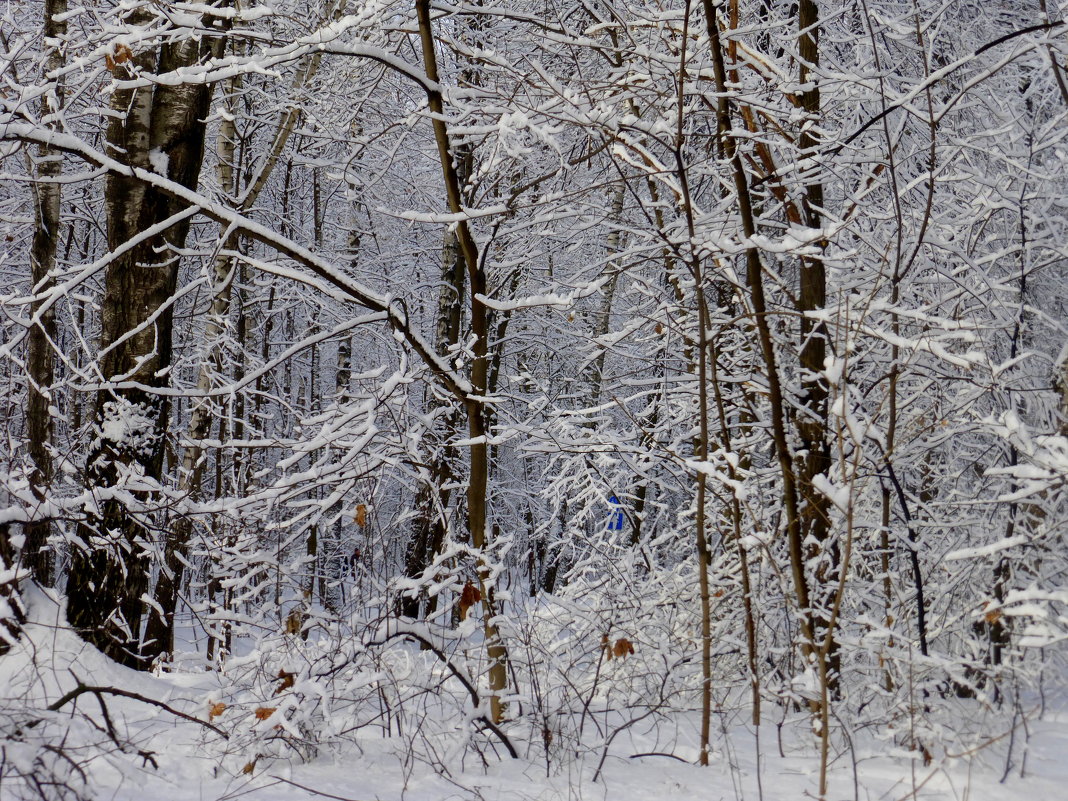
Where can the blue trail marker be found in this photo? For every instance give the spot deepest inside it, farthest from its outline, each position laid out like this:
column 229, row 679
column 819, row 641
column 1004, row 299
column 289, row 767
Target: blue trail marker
column 616, row 518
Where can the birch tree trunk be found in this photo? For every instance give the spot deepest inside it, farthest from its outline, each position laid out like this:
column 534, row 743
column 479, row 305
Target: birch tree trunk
column 153, row 127
column 159, row 631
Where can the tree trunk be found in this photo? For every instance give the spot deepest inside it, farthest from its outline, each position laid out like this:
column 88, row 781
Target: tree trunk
column 603, row 320
column 39, row 359
column 159, row 631
column 432, row 500
column 810, row 420
column 478, row 479
column 151, row 125
column 759, row 308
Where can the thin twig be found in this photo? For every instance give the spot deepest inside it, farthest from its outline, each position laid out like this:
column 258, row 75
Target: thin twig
column 315, row 792
column 659, row 753
column 440, row 654
column 81, row 689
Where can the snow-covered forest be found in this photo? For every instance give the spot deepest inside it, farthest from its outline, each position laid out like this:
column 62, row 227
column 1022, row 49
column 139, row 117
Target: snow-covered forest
column 533, row 399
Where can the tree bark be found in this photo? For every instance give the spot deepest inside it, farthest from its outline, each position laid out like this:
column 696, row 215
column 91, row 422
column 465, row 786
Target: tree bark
column 428, row 529
column 154, row 127
column 810, row 420
column 40, row 363
column 478, row 478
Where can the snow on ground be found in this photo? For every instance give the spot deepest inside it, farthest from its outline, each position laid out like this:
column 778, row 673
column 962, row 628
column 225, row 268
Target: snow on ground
column 50, row 660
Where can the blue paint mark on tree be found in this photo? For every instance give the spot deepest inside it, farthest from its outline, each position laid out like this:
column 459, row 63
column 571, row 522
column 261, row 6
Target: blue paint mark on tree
column 616, row 518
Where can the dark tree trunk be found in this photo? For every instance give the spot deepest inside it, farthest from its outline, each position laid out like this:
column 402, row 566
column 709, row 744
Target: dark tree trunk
column 432, row 499
column 811, row 418
column 39, row 360
column 109, row 570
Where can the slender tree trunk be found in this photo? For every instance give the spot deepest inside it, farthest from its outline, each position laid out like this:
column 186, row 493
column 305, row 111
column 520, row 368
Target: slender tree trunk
column 603, row 321
column 887, row 583
column 704, row 556
column 479, row 318
column 13, row 613
column 703, row 439
column 337, row 554
column 1060, row 382
column 758, row 305
column 432, row 500
column 41, row 346
column 811, row 419
column 735, row 521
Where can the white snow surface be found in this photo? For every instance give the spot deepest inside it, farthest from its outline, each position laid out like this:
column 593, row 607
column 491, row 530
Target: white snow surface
column 49, row 656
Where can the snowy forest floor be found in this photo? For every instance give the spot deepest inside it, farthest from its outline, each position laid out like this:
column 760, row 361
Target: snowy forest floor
column 191, row 766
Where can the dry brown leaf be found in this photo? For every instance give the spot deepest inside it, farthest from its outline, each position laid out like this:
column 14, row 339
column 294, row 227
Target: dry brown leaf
column 249, row 767
column 469, row 596
column 288, row 679
column 622, row 648
column 120, row 55
column 264, row 712
column 546, row 736
column 214, row 710
column 294, row 622
column 360, row 517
